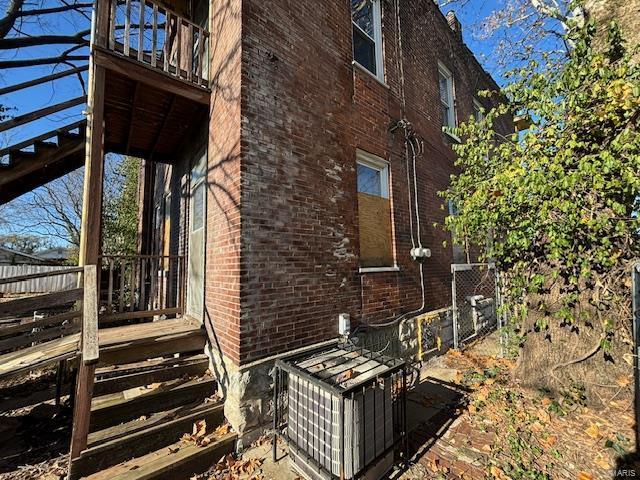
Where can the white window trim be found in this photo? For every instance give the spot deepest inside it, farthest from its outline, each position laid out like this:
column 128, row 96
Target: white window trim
column 451, row 91
column 372, row 161
column 377, row 41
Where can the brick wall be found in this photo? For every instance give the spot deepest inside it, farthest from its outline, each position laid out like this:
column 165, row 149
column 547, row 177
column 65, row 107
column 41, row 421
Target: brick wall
column 288, row 112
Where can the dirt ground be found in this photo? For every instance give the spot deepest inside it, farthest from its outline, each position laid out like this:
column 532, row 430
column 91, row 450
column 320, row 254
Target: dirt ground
column 467, row 418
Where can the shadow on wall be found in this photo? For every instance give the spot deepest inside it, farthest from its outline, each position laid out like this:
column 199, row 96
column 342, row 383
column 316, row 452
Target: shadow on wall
column 223, row 151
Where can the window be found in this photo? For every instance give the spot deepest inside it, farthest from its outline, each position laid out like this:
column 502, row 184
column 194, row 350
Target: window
column 367, row 35
column 374, row 211
column 460, row 254
column 445, row 80
column 477, row 110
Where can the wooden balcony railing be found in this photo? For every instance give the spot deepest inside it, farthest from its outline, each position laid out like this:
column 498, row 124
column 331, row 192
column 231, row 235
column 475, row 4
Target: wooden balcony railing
column 141, row 286
column 160, row 38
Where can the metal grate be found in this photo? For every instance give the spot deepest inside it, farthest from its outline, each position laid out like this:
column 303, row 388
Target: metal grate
column 342, row 411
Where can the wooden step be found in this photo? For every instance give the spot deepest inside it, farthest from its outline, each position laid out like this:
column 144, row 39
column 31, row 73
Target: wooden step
column 45, row 147
column 109, row 410
column 139, row 437
column 185, row 461
column 20, row 155
column 123, row 377
column 134, row 343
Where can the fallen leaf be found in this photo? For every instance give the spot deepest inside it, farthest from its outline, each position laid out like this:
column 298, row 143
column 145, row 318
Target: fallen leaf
column 624, row 380
column 551, row 440
column 200, row 429
column 486, row 448
column 222, row 430
column 603, row 463
column 174, row 449
column 546, row 401
column 593, row 431
column 344, row 376
column 584, row 476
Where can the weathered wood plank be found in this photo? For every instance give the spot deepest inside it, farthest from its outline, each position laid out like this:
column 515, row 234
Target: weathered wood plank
column 115, row 317
column 38, row 356
column 82, row 410
column 26, row 339
column 138, row 438
column 30, row 324
column 38, row 302
column 110, row 410
column 114, row 383
column 90, row 347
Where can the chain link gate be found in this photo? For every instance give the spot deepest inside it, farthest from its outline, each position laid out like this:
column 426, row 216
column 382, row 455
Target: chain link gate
column 474, row 293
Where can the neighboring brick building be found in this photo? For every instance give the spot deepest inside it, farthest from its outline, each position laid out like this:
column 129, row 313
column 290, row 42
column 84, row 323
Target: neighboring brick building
column 310, row 210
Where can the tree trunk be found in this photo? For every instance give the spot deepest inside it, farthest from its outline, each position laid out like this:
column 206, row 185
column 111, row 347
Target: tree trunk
column 567, row 359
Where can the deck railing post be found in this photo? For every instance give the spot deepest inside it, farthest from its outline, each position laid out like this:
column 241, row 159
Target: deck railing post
column 89, row 358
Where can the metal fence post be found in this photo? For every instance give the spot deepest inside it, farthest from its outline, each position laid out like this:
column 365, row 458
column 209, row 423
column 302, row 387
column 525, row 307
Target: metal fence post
column 635, row 301
column 454, row 309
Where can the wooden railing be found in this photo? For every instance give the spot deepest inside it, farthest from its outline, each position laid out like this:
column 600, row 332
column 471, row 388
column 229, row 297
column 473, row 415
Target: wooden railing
column 160, row 38
column 141, row 286
column 32, row 319
column 89, row 356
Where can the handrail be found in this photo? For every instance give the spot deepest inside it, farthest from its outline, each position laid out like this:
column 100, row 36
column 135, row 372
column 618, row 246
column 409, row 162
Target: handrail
column 43, row 112
column 46, row 78
column 44, row 136
column 31, row 276
column 90, row 347
column 167, row 41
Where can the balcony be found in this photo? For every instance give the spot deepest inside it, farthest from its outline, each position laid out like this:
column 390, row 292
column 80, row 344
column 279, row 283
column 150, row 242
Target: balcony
column 156, row 66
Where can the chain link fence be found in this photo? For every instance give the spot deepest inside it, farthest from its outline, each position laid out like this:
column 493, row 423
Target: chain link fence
column 475, row 297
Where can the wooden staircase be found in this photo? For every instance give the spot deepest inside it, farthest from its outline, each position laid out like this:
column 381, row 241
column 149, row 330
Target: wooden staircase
column 34, row 162
column 150, row 387
column 140, row 387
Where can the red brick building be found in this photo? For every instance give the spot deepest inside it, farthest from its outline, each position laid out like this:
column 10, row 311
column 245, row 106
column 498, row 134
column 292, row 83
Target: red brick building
column 315, row 177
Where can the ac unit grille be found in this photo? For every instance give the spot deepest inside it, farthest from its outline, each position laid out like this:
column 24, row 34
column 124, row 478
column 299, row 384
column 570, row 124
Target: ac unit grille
column 339, row 422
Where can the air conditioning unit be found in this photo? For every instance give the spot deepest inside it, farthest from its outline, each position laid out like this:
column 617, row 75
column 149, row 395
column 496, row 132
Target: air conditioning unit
column 344, row 416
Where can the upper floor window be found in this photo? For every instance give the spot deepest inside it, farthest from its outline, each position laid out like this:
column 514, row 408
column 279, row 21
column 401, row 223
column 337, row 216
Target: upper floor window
column 445, row 80
column 478, row 114
column 367, row 35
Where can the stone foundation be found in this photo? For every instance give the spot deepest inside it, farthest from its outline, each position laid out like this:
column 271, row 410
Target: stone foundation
column 247, row 391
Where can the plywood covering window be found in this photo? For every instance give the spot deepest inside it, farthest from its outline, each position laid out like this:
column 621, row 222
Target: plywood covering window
column 374, row 211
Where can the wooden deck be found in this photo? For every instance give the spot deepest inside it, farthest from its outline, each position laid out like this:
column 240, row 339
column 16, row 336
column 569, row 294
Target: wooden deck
column 114, row 342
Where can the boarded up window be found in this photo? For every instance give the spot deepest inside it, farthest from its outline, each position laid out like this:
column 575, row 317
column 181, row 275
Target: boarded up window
column 374, row 212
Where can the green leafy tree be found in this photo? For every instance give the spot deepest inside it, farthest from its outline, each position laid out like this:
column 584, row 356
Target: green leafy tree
column 560, row 203
column 120, row 217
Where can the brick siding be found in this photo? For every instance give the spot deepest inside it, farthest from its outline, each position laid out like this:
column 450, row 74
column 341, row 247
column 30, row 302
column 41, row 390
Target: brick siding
column 288, row 111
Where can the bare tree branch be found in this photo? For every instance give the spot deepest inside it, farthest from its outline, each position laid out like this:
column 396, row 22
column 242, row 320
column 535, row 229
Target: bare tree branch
column 33, row 41
column 9, row 20
column 31, row 62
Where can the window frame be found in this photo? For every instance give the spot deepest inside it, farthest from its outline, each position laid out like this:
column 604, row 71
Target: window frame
column 377, row 41
column 478, row 114
column 374, row 162
column 452, row 114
